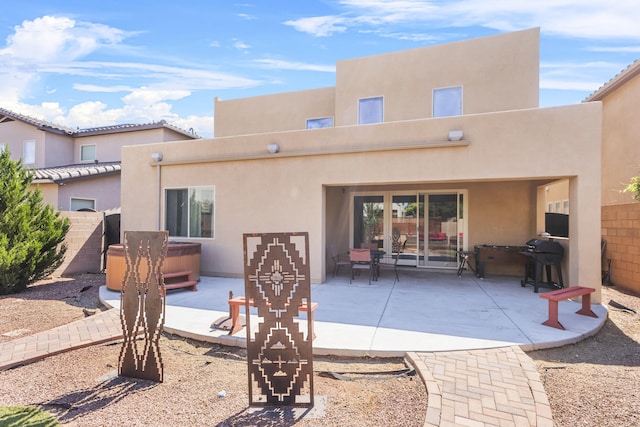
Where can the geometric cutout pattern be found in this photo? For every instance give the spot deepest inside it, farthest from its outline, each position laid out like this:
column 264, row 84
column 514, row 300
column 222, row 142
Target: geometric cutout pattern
column 142, row 305
column 279, row 351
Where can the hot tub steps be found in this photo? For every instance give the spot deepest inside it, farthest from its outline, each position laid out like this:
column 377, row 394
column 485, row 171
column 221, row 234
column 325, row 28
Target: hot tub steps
column 178, row 280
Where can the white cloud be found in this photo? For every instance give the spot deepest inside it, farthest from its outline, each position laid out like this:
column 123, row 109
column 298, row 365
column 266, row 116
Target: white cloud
column 588, row 19
column 319, row 26
column 296, row 66
column 239, row 44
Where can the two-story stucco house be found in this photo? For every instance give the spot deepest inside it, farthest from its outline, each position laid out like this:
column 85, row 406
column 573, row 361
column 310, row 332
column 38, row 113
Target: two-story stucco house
column 444, row 144
column 77, row 169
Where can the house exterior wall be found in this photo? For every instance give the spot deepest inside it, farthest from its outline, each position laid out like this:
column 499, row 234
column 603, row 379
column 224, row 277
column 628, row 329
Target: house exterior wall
column 58, row 150
column 491, row 80
column 289, row 191
column 15, row 133
column 621, row 162
column 108, row 146
column 279, row 112
column 620, row 149
column 105, row 190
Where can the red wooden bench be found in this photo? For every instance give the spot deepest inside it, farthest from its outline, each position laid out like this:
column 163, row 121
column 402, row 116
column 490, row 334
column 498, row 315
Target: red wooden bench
column 236, row 302
column 179, row 279
column 565, row 294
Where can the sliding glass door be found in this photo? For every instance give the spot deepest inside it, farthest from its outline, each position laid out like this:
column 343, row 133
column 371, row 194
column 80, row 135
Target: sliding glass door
column 427, row 227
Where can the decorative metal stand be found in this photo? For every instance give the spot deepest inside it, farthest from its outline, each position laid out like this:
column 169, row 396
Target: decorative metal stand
column 279, row 354
column 142, row 305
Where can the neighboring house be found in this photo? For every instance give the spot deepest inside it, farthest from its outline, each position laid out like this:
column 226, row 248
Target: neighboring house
column 78, row 169
column 445, row 145
column 620, row 98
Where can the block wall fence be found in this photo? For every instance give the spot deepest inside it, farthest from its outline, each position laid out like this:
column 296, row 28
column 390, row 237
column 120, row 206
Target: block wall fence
column 85, row 243
column 621, row 230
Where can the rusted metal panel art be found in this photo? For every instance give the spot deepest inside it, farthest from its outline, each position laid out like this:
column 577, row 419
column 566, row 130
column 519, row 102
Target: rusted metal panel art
column 142, row 305
column 279, row 351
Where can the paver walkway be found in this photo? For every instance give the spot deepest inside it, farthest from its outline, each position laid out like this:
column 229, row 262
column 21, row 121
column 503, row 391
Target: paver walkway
column 489, row 387
column 99, row 328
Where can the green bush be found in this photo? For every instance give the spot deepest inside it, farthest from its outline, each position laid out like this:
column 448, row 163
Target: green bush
column 31, row 232
column 634, row 187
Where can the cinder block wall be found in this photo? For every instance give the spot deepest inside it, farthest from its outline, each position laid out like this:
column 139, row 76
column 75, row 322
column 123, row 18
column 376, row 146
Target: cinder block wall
column 84, row 243
column 621, row 230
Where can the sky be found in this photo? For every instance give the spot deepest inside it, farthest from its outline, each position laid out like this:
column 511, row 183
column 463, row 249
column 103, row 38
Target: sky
column 85, row 64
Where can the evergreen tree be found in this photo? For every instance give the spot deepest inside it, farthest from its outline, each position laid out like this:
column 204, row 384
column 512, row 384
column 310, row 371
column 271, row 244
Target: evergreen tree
column 31, row 232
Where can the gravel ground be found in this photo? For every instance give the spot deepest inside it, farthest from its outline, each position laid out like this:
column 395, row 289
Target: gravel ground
column 81, row 388
column 596, row 382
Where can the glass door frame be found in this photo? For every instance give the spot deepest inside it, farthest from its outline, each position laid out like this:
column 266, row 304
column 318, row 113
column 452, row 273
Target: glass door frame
column 388, row 195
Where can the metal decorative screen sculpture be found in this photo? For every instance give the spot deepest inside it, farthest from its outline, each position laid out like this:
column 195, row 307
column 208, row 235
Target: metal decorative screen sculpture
column 279, row 353
column 142, row 305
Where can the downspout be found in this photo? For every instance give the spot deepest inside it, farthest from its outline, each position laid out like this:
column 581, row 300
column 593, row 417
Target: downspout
column 159, row 183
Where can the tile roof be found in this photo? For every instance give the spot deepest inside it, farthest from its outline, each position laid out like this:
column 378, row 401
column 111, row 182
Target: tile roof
column 60, row 174
column 618, row 80
column 6, row 115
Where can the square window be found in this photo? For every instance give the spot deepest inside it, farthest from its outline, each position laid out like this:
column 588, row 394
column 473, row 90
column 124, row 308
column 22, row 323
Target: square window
column 370, row 110
column 29, row 153
column 190, row 212
column 447, row 101
column 324, row 122
column 87, row 153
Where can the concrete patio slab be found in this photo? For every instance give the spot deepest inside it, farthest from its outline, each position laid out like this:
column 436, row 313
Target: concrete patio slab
column 425, row 311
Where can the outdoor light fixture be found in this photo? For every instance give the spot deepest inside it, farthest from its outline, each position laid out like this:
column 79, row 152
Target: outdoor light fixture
column 455, row 135
column 156, row 157
column 273, row 148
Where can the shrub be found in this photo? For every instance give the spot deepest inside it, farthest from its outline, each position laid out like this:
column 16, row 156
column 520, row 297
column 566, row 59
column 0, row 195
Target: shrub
column 31, row 232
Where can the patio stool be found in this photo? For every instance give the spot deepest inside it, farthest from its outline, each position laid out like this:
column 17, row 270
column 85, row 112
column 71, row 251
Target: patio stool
column 236, row 302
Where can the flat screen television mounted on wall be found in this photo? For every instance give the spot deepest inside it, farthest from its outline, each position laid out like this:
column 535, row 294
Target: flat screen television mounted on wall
column 556, row 224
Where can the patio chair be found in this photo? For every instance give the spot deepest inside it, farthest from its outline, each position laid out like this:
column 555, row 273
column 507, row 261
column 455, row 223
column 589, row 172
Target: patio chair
column 339, row 259
column 396, row 250
column 360, row 260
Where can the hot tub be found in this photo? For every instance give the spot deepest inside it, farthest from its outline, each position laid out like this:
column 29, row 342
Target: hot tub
column 181, row 256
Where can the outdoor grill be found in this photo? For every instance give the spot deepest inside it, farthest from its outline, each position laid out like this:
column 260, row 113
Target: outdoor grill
column 543, row 253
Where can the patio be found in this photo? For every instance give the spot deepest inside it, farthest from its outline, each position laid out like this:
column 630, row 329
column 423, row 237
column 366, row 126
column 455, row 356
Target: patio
column 425, row 311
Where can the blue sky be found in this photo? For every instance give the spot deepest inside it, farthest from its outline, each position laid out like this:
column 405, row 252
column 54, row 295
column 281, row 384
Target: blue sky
column 84, row 64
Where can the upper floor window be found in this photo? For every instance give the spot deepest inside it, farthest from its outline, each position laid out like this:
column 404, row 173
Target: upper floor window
column 189, row 212
column 29, row 153
column 323, row 122
column 370, row 110
column 87, row 153
column 447, row 101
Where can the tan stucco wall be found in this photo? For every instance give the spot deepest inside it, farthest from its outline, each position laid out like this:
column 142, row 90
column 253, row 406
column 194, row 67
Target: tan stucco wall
column 492, row 80
column 280, row 112
column 620, row 144
column 258, row 192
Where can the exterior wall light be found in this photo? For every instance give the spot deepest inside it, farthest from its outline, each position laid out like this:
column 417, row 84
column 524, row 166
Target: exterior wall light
column 273, row 148
column 156, row 157
column 455, row 135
